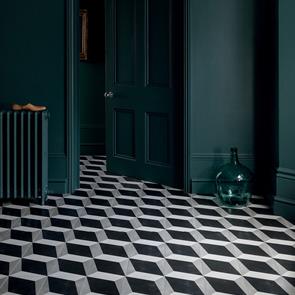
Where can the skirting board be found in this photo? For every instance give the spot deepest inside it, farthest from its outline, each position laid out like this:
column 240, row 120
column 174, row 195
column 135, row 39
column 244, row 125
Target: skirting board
column 284, row 201
column 284, row 207
column 204, row 167
column 59, row 186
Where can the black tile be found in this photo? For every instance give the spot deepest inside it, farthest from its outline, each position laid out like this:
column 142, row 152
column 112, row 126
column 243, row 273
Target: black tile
column 290, row 280
column 209, row 212
column 124, row 211
column 182, row 212
column 258, row 266
column 128, row 192
column 240, row 222
column 180, row 222
column 93, row 167
column 117, row 235
column 179, row 202
column 235, row 211
column 283, row 249
column 287, row 264
column 149, row 235
column 225, row 286
column 217, row 250
column 245, row 235
column 150, row 222
column 213, row 235
column 108, row 266
column 181, row 235
column 250, row 249
column 107, row 186
column 184, row 286
column 270, row 222
column 126, row 202
column 220, row 266
column 120, row 222
column 153, row 201
column 148, row 250
column 210, row 222
column 90, row 173
column 183, row 266
column 206, row 202
column 151, row 211
column 146, row 266
column 130, row 185
column 59, row 285
column 182, row 249
column 277, row 235
column 266, row 286
column 178, row 193
column 143, row 286
column 113, row 250
column 109, row 179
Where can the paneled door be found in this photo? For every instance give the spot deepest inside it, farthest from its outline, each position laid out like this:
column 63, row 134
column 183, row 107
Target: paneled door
column 143, row 93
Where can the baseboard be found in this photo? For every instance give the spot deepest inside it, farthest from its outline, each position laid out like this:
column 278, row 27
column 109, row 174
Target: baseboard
column 203, row 186
column 59, row 186
column 205, row 166
column 284, row 207
column 284, row 201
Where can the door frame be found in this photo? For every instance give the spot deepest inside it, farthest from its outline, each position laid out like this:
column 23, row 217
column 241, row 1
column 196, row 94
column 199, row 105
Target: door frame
column 72, row 92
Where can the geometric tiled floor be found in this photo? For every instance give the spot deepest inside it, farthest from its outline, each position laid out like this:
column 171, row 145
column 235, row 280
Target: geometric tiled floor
column 118, row 235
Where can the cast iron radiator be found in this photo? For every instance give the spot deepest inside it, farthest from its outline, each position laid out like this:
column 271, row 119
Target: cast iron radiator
column 23, row 155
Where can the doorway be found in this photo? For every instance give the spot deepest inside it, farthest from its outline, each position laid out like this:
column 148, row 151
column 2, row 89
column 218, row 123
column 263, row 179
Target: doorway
column 140, row 126
column 92, row 77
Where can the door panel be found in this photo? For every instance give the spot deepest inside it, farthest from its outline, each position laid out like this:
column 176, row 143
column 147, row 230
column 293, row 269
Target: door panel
column 141, row 118
column 124, row 145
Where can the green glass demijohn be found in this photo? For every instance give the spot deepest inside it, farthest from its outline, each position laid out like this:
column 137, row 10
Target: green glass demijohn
column 233, row 182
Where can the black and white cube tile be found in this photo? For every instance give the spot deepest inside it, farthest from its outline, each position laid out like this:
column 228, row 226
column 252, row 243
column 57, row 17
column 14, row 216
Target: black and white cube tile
column 118, row 235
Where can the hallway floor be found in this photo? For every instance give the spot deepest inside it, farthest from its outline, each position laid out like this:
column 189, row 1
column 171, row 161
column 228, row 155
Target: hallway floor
column 118, row 235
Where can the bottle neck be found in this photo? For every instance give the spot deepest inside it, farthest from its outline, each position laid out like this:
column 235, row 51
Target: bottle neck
column 234, row 157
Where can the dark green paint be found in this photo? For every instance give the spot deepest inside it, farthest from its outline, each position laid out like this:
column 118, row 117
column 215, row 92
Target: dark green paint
column 284, row 202
column 145, row 89
column 227, row 103
column 33, row 69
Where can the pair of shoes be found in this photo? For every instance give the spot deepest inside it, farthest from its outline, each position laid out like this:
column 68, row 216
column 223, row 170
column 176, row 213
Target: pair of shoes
column 28, row 107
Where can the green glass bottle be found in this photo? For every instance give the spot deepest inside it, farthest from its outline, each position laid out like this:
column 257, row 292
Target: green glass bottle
column 233, row 182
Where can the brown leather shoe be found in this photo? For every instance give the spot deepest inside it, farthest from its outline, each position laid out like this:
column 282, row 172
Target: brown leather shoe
column 16, row 107
column 27, row 107
column 33, row 108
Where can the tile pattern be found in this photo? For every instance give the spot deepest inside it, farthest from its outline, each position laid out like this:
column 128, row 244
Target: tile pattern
column 118, row 235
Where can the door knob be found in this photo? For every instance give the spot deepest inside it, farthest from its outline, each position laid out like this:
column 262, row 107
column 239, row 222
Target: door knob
column 109, row 94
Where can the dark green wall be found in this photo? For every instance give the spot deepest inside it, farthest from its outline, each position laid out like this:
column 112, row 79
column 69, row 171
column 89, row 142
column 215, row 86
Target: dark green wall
column 92, row 82
column 32, row 69
column 226, row 108
column 284, row 203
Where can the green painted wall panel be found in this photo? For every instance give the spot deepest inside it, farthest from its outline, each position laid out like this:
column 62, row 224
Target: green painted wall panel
column 32, row 69
column 222, row 84
column 284, row 202
column 231, row 55
column 286, row 83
